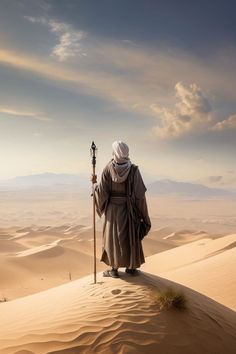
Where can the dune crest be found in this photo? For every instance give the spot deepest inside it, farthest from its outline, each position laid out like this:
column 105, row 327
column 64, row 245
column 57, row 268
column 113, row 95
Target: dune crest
column 207, row 265
column 114, row 316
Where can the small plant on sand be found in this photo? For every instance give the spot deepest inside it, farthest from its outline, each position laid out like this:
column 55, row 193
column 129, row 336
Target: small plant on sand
column 171, row 298
column 3, row 299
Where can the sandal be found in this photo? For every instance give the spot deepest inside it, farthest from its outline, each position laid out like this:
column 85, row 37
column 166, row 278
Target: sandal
column 111, row 273
column 132, row 271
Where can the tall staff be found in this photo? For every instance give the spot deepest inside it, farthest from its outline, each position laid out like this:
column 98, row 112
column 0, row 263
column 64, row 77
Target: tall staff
column 93, row 151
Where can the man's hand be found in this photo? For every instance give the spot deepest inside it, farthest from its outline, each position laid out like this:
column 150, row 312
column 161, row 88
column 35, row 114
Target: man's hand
column 93, row 179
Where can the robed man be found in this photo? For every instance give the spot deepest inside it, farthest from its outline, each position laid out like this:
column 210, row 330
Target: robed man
column 120, row 196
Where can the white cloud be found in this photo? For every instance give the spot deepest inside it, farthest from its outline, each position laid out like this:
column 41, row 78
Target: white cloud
column 21, row 113
column 69, row 44
column 145, row 77
column 192, row 100
column 228, row 123
column 40, row 20
column 192, row 112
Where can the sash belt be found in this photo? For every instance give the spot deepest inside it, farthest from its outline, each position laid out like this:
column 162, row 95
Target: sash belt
column 118, row 199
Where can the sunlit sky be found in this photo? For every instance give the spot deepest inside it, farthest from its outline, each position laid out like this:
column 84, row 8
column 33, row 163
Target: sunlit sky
column 159, row 75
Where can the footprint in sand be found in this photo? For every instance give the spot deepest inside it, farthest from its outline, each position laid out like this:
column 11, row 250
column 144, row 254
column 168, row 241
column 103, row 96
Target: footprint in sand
column 128, row 292
column 116, row 291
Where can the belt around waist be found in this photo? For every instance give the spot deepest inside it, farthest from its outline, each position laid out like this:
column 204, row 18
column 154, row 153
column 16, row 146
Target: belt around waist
column 117, row 194
column 118, row 199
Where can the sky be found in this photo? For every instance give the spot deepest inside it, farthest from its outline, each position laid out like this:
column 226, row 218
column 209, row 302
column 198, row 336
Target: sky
column 159, row 75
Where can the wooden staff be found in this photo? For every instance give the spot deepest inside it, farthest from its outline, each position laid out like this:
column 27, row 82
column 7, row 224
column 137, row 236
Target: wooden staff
column 93, row 155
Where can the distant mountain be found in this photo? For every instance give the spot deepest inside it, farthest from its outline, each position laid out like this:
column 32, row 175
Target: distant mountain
column 186, row 189
column 44, row 180
column 65, row 182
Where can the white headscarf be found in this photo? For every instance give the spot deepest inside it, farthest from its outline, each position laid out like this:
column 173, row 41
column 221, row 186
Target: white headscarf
column 120, row 151
column 120, row 164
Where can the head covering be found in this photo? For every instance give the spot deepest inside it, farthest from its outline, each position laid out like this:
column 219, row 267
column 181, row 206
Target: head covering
column 120, row 164
column 120, row 151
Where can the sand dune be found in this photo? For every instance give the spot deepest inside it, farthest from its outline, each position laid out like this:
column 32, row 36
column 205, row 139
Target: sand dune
column 187, row 254
column 184, row 236
column 42, row 268
column 114, row 316
column 40, row 259
column 163, row 239
column 8, row 246
column 213, row 276
column 36, row 258
column 152, row 246
column 208, row 266
column 40, row 250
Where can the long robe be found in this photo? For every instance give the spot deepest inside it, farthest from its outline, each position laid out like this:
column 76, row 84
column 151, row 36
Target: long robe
column 122, row 246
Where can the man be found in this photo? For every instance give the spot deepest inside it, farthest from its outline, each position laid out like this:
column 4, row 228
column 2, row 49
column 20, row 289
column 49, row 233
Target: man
column 120, row 196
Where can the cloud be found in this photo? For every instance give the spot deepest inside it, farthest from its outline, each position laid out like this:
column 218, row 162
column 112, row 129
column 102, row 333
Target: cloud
column 32, row 19
column 115, row 88
column 136, row 80
column 215, row 179
column 69, row 44
column 221, row 180
column 218, row 180
column 191, row 112
column 21, row 113
column 228, row 123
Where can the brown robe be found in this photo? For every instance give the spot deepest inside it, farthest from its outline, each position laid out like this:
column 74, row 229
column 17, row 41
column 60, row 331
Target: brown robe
column 122, row 246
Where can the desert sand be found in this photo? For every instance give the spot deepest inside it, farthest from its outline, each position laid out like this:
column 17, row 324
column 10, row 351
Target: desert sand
column 207, row 266
column 49, row 303
column 35, row 206
column 36, row 258
column 115, row 316
column 52, row 307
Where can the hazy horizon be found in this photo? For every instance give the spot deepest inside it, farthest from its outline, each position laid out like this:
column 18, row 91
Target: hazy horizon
column 83, row 180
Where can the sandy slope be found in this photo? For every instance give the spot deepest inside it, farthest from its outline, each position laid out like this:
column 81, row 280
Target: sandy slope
column 189, row 253
column 114, row 316
column 36, row 258
column 213, row 276
column 184, row 236
column 207, row 266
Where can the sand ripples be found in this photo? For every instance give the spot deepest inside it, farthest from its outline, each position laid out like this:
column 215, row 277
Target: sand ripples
column 113, row 316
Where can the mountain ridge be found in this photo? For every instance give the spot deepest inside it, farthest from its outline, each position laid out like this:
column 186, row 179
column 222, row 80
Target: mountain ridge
column 162, row 186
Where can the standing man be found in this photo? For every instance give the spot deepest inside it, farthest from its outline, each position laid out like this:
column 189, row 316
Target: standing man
column 120, row 196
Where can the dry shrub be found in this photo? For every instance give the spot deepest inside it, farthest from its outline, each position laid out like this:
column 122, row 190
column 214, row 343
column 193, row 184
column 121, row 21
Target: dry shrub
column 171, row 298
